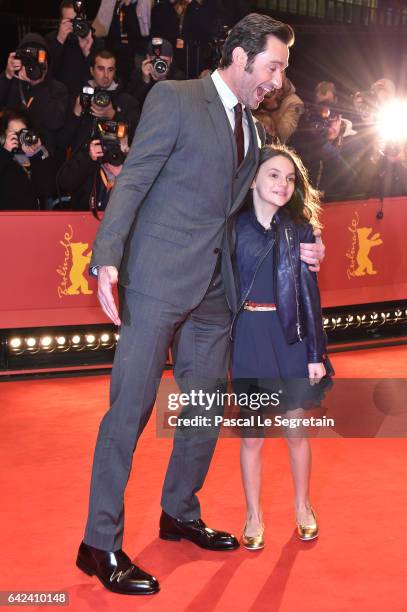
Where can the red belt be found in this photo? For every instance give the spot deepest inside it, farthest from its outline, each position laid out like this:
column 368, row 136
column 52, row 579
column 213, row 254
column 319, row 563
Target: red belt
column 259, row 306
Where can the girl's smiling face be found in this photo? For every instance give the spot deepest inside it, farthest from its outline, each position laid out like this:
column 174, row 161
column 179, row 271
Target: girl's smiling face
column 275, row 181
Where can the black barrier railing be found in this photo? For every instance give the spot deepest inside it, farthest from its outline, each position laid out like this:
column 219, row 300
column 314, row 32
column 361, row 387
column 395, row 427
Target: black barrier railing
column 347, row 12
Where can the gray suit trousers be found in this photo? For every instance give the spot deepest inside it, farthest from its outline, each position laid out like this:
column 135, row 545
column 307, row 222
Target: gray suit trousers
column 201, row 351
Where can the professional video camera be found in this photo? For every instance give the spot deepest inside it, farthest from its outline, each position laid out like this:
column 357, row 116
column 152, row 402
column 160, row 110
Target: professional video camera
column 159, row 64
column 110, row 134
column 34, row 61
column 27, row 138
column 100, row 97
column 80, row 26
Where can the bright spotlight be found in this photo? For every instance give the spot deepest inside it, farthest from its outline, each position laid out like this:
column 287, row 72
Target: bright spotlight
column 392, row 121
column 61, row 340
column 31, row 342
column 90, row 338
column 15, row 343
column 46, row 341
column 76, row 339
column 105, row 337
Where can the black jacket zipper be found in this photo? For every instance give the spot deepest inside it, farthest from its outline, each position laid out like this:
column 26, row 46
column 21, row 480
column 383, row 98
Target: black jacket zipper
column 295, row 285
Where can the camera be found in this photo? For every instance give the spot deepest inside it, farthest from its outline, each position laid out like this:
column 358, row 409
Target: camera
column 100, row 97
column 110, row 134
column 80, row 26
column 318, row 117
column 160, row 66
column 27, row 138
column 34, row 61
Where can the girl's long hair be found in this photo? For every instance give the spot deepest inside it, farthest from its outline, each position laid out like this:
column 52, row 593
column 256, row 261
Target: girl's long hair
column 304, row 205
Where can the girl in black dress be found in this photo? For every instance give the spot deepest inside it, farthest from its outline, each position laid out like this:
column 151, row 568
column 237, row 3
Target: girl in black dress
column 278, row 331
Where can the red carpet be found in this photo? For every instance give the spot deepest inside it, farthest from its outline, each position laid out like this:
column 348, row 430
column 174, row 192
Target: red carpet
column 359, row 489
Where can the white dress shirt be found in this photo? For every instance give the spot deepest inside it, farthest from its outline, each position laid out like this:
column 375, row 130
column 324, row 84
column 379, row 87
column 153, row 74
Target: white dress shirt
column 229, row 101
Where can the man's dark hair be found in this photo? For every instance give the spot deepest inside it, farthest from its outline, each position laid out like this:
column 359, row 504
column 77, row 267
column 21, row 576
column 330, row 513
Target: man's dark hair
column 251, row 34
column 104, row 54
column 65, row 4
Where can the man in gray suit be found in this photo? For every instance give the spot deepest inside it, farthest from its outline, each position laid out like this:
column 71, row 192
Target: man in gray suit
column 166, row 238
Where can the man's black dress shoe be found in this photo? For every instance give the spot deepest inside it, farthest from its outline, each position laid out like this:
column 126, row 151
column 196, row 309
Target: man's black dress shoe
column 197, row 532
column 116, row 571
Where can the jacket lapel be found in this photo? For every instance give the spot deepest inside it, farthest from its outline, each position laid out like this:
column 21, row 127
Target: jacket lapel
column 220, row 123
column 253, row 162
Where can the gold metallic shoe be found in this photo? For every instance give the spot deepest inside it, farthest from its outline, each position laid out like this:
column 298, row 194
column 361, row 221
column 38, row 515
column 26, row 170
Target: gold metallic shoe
column 308, row 532
column 253, row 542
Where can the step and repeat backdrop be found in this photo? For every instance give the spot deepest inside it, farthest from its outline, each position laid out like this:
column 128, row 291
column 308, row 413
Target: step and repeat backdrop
column 45, row 257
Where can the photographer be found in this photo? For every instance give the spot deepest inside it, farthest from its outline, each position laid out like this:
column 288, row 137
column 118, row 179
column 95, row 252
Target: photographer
column 102, row 97
column 71, row 47
column 322, row 140
column 158, row 66
column 379, row 155
column 26, row 83
column 91, row 173
column 126, row 26
column 27, row 171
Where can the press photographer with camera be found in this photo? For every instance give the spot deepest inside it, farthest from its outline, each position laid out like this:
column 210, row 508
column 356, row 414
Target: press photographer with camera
column 322, row 140
column 26, row 82
column 157, row 66
column 380, row 151
column 72, row 45
column 91, row 173
column 27, row 170
column 125, row 25
column 101, row 97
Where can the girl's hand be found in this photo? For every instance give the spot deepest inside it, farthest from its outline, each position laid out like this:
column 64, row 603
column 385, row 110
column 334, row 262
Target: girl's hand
column 316, row 371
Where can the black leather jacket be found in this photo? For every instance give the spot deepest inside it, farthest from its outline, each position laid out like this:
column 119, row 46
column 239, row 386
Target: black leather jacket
column 296, row 287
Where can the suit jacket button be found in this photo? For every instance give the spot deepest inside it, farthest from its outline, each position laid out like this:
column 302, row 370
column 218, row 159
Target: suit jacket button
column 216, row 251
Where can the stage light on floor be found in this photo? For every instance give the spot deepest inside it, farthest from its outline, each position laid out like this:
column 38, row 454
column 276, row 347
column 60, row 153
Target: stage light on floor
column 15, row 343
column 76, row 339
column 46, row 341
column 105, row 337
column 31, row 342
column 61, row 340
column 90, row 339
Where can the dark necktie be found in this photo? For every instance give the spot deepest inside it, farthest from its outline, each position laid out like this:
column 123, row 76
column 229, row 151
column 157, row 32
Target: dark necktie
column 239, row 136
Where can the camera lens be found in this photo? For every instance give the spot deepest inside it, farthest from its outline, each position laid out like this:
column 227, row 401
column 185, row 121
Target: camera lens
column 28, row 138
column 160, row 66
column 80, row 27
column 101, row 98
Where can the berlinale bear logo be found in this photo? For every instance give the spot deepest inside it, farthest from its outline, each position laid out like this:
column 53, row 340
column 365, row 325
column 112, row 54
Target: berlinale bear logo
column 362, row 243
column 72, row 271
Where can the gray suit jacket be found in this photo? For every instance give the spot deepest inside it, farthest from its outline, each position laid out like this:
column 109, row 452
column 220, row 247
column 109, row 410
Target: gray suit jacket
column 171, row 209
